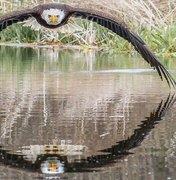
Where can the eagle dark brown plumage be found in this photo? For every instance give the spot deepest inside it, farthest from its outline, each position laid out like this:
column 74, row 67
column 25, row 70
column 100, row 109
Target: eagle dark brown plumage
column 101, row 18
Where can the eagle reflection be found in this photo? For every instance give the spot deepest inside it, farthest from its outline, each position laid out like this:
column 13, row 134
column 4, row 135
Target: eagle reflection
column 54, row 161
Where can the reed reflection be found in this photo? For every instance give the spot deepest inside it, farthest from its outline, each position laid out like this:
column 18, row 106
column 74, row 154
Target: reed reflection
column 56, row 159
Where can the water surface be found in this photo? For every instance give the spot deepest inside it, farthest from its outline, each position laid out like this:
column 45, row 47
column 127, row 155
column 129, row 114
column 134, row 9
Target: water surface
column 82, row 114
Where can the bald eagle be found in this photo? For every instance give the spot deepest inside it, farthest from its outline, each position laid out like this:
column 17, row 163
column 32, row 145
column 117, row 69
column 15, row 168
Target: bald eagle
column 54, row 15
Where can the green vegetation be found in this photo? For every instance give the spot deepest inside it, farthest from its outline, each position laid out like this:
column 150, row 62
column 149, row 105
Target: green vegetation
column 152, row 20
column 15, row 59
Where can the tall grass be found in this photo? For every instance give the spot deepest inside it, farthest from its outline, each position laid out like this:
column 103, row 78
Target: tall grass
column 153, row 20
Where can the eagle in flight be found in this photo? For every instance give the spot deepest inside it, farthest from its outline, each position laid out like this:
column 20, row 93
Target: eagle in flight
column 54, row 15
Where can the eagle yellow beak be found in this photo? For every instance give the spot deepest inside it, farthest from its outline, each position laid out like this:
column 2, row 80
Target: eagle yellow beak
column 53, row 19
column 53, row 166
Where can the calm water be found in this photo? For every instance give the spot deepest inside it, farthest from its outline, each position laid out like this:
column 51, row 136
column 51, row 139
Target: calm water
column 74, row 114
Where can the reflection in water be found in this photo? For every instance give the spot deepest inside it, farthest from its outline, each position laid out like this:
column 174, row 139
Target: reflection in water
column 54, row 159
column 53, row 165
column 64, row 111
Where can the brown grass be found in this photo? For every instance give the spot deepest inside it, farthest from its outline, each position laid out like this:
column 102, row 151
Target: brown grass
column 141, row 12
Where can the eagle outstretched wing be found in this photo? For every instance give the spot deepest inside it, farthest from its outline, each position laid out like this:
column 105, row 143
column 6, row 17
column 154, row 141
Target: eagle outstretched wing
column 123, row 31
column 102, row 19
column 16, row 16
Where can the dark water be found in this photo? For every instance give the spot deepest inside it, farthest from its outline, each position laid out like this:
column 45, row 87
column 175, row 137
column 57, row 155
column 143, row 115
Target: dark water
column 74, row 114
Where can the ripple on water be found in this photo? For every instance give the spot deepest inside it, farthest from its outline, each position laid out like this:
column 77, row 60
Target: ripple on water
column 79, row 113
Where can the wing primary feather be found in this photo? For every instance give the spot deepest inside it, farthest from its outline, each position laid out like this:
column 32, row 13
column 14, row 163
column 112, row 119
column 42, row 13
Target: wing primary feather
column 123, row 31
column 100, row 21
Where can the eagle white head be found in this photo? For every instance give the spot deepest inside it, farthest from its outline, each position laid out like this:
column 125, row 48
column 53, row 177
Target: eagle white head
column 53, row 16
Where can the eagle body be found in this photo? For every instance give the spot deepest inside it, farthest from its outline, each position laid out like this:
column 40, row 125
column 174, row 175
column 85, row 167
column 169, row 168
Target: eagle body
column 54, row 15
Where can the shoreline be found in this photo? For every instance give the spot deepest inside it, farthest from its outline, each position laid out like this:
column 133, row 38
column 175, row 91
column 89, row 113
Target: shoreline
column 49, row 46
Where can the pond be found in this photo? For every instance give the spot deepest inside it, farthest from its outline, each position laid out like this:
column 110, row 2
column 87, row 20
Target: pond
column 84, row 114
